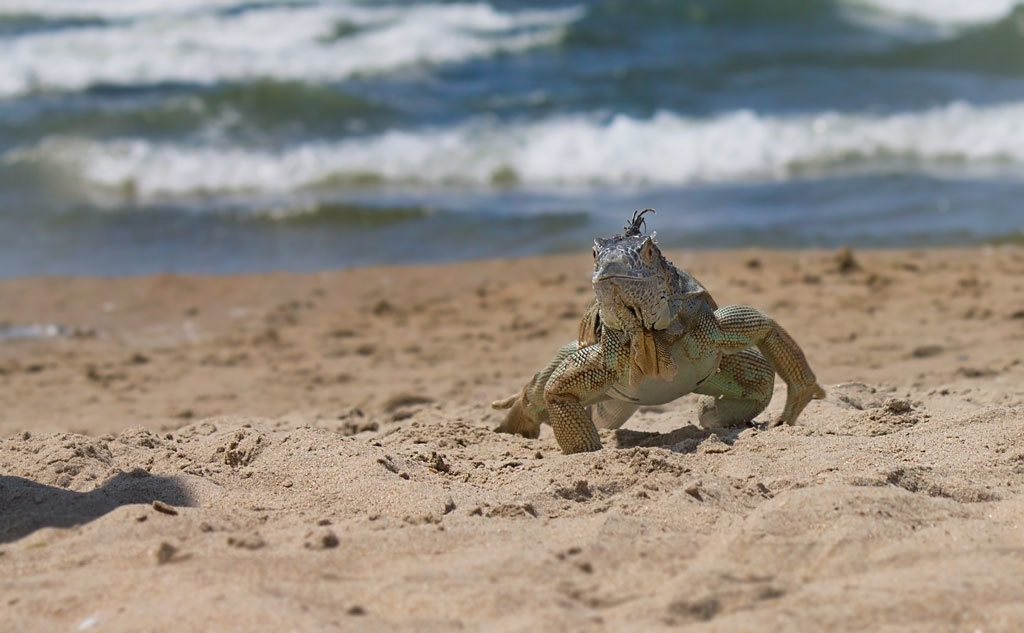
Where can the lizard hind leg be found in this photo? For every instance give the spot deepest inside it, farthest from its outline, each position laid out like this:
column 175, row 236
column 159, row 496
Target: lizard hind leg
column 526, row 409
column 517, row 421
column 505, row 403
column 740, row 390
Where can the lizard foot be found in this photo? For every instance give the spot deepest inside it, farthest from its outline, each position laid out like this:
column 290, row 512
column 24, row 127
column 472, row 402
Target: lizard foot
column 732, row 413
column 796, row 399
column 517, row 421
column 580, row 446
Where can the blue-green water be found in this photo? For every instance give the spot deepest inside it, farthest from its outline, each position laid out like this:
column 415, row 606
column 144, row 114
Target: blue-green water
column 232, row 135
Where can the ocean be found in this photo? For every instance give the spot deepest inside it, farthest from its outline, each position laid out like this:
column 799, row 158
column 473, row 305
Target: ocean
column 224, row 136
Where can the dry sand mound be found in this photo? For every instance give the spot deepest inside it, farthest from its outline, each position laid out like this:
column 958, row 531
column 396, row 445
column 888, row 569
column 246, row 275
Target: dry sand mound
column 440, row 525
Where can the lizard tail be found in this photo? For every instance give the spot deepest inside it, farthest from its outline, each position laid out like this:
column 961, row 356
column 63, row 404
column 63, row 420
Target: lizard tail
column 506, row 403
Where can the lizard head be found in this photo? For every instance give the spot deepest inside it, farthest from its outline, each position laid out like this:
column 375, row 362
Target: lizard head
column 632, row 279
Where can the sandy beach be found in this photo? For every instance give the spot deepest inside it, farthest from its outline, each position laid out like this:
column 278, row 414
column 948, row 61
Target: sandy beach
column 314, row 452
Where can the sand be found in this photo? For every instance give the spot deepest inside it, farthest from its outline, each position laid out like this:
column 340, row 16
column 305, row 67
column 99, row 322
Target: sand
column 313, row 452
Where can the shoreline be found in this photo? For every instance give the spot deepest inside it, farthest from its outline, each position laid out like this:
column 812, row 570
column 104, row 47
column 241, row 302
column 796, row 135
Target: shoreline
column 562, row 248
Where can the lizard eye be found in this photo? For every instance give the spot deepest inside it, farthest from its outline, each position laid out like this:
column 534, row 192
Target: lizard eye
column 594, row 249
column 647, row 250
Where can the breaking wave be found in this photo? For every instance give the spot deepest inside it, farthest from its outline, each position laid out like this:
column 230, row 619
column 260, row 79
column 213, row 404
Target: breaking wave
column 996, row 47
column 666, row 149
column 98, row 42
column 113, row 10
column 302, row 42
column 942, row 12
column 950, row 12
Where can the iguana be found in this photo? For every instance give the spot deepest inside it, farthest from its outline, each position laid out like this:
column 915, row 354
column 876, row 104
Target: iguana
column 654, row 334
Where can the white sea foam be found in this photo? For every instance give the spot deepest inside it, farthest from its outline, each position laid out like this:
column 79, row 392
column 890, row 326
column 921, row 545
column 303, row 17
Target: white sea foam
column 956, row 12
column 279, row 42
column 952, row 13
column 111, row 9
column 666, row 149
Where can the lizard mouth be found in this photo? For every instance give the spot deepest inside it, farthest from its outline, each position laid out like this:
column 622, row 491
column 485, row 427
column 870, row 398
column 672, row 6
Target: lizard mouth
column 607, row 277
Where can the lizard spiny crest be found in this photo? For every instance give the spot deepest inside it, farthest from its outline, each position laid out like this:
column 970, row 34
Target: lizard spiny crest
column 637, row 222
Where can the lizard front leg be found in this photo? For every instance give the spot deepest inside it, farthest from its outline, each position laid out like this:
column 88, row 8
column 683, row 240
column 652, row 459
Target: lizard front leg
column 581, row 379
column 738, row 327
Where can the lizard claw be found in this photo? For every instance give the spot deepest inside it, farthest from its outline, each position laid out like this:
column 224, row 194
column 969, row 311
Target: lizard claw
column 517, row 421
column 796, row 399
column 505, row 403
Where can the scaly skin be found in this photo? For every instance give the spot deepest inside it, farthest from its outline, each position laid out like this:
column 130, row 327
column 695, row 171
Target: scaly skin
column 654, row 334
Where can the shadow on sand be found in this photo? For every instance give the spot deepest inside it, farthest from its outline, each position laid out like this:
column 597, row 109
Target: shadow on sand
column 26, row 506
column 681, row 440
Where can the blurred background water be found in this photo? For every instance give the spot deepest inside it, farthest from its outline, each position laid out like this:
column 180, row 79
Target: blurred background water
column 244, row 135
